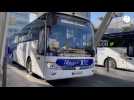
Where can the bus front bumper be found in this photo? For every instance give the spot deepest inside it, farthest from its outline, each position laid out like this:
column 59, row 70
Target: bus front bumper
column 65, row 74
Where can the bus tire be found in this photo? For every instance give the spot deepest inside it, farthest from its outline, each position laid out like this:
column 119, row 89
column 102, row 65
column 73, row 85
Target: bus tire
column 29, row 65
column 111, row 62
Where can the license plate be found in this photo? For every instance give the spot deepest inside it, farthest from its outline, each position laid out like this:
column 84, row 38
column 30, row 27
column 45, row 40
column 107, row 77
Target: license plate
column 77, row 68
column 77, row 73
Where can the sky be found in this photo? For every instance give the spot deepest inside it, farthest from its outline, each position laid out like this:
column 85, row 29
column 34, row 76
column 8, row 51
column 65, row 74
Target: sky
column 32, row 17
column 96, row 15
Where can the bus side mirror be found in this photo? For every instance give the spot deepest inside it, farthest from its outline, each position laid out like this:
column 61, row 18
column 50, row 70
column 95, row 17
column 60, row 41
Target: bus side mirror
column 96, row 50
column 92, row 52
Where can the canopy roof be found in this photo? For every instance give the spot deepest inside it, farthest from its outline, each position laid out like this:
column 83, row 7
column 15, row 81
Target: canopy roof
column 121, row 35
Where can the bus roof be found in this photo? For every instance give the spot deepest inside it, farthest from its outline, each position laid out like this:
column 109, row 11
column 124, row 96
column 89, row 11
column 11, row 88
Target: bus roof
column 40, row 21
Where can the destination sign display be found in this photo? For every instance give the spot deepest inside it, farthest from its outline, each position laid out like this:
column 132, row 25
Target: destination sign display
column 71, row 22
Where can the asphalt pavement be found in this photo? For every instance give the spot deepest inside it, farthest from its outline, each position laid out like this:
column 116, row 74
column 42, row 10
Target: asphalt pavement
column 17, row 77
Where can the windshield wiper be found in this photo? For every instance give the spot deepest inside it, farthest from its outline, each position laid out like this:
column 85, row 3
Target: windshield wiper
column 78, row 51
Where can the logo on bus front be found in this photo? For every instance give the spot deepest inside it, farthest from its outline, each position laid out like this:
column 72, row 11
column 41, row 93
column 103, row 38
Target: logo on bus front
column 74, row 62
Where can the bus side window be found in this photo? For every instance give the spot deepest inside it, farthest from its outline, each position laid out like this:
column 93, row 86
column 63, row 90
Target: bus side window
column 16, row 40
column 41, row 44
column 130, row 51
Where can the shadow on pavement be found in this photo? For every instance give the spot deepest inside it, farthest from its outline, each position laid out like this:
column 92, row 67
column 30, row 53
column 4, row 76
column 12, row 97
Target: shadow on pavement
column 100, row 66
column 96, row 80
column 93, row 81
column 24, row 69
column 18, row 66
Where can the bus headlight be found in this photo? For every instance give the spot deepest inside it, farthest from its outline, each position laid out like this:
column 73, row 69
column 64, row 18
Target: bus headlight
column 92, row 66
column 51, row 66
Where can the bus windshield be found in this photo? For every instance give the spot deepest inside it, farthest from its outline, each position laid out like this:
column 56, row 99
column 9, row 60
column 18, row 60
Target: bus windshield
column 70, row 34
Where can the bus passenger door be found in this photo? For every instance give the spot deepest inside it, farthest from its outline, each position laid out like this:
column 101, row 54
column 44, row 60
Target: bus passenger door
column 24, row 53
column 121, row 57
column 38, row 55
column 20, row 54
column 130, row 63
column 130, row 58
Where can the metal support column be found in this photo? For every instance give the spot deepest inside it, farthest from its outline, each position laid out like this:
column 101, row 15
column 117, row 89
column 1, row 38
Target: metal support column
column 104, row 25
column 3, row 33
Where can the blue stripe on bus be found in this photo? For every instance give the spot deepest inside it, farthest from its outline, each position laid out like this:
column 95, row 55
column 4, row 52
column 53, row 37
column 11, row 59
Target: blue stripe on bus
column 74, row 62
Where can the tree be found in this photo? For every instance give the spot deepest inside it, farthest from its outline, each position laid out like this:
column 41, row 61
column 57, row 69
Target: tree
column 128, row 28
column 119, row 14
column 116, row 14
column 125, row 29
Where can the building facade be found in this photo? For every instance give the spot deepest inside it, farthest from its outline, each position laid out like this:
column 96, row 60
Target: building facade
column 20, row 20
column 117, row 24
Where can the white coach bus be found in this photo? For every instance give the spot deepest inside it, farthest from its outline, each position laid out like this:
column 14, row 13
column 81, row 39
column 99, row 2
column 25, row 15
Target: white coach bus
column 119, row 48
column 57, row 46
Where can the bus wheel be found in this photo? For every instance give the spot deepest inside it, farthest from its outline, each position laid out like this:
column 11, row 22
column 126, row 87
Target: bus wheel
column 29, row 66
column 110, row 62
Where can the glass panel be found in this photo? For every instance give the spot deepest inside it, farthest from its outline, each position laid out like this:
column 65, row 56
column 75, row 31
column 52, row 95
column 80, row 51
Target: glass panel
column 70, row 33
